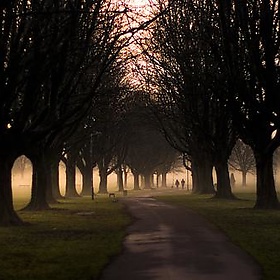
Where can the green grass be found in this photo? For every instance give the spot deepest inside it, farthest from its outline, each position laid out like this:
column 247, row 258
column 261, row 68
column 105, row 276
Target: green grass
column 73, row 241
column 256, row 231
column 65, row 244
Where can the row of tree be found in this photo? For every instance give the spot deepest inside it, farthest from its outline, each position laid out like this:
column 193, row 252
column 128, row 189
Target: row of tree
column 213, row 70
column 60, row 68
column 211, row 76
column 63, row 97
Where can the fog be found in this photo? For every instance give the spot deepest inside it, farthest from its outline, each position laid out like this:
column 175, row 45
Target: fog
column 21, row 181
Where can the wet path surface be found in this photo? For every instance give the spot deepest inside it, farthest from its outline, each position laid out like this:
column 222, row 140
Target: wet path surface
column 170, row 243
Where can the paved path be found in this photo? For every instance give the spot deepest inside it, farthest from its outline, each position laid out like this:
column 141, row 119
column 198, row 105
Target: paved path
column 170, row 243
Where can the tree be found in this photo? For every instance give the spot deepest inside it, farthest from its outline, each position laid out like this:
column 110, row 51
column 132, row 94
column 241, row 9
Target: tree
column 70, row 164
column 250, row 33
column 169, row 162
column 110, row 145
column 184, row 78
column 20, row 165
column 48, row 51
column 86, row 162
column 242, row 159
column 148, row 151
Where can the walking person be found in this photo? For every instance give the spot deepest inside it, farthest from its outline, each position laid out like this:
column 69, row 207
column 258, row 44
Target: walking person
column 177, row 183
column 183, row 183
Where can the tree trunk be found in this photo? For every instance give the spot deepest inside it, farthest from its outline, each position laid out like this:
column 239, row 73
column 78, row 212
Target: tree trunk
column 202, row 177
column 152, row 181
column 87, row 180
column 8, row 216
column 120, row 179
column 39, row 184
column 55, row 180
column 103, row 180
column 71, row 177
column 125, row 177
column 136, row 185
column 142, row 181
column 157, row 180
column 163, row 179
column 244, row 178
column 147, row 180
column 223, row 181
column 266, row 193
column 50, row 182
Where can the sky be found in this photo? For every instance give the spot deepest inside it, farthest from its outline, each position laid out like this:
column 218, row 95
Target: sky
column 139, row 2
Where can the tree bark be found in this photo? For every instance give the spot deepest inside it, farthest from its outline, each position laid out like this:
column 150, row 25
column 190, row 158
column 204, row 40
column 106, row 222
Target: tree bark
column 244, row 178
column 266, row 193
column 8, row 216
column 40, row 181
column 87, row 180
column 157, row 180
column 71, row 177
column 147, row 180
column 120, row 179
column 202, row 176
column 152, row 181
column 56, row 194
column 50, row 187
column 163, row 179
column 136, row 184
column 125, row 176
column 223, row 181
column 103, row 180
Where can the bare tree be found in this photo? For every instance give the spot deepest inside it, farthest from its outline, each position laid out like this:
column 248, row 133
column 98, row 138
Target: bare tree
column 251, row 32
column 148, row 151
column 53, row 55
column 20, row 165
column 242, row 159
column 185, row 77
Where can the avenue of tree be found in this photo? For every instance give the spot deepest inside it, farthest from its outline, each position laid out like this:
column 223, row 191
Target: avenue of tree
column 205, row 79
column 213, row 69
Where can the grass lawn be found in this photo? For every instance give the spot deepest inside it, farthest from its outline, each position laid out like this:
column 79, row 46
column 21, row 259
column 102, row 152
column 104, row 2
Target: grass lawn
column 77, row 238
column 256, row 231
column 73, row 241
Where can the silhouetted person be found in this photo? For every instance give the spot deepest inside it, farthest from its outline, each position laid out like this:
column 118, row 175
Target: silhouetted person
column 232, row 180
column 177, row 183
column 183, row 183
